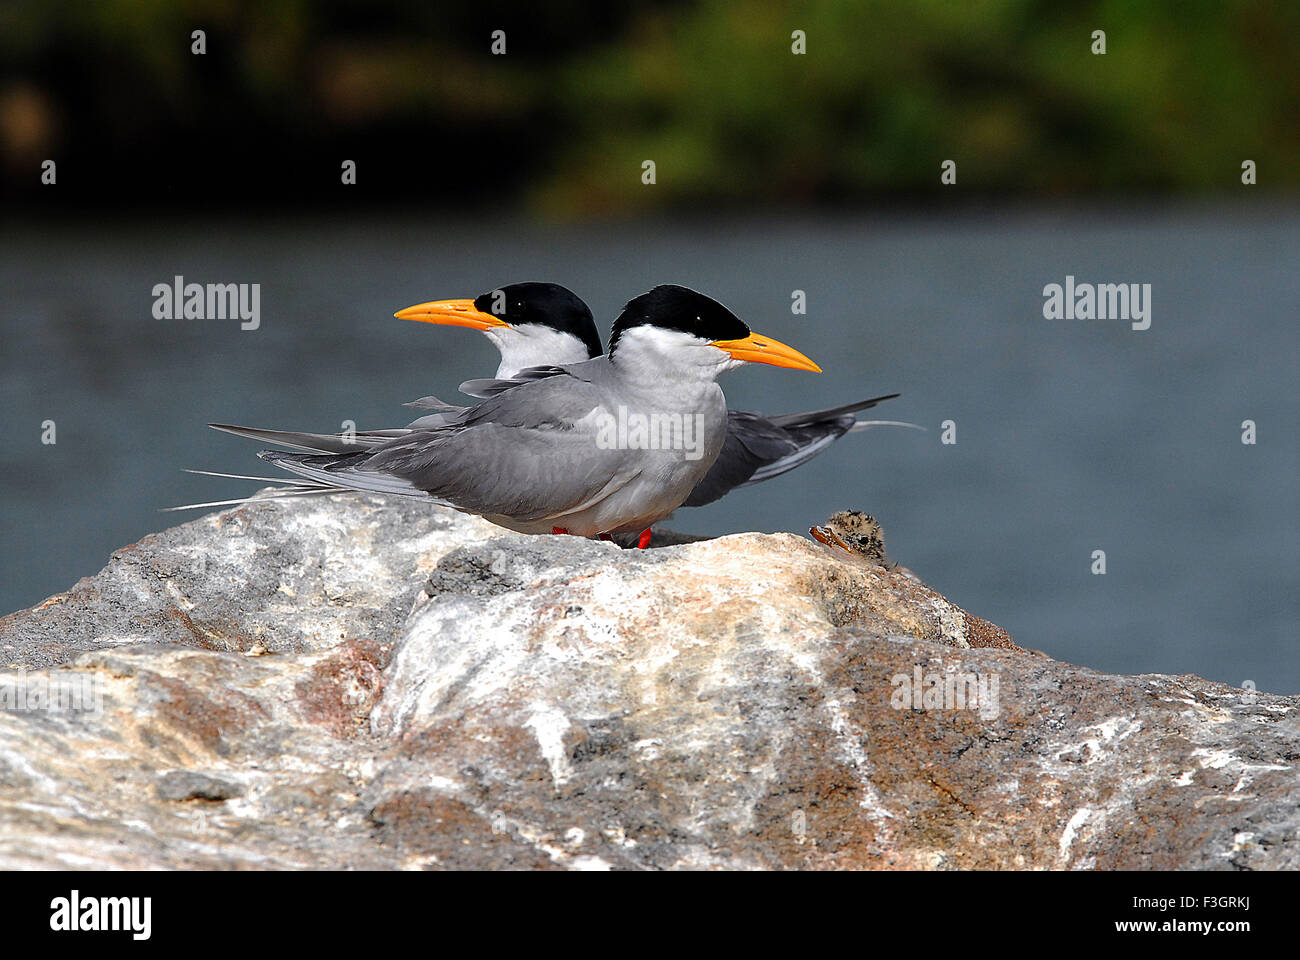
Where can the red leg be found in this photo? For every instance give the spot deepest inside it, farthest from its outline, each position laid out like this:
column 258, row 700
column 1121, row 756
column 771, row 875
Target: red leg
column 555, row 530
column 645, row 539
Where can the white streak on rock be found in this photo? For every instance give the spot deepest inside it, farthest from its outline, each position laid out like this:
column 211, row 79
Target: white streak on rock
column 549, row 726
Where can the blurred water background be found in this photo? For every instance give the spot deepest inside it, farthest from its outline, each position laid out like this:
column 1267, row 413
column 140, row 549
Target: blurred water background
column 1073, row 435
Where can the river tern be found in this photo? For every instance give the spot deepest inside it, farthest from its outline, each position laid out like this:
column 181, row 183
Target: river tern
column 538, row 324
column 543, row 324
column 605, row 446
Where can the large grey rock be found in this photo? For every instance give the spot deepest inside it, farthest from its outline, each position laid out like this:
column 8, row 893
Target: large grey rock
column 352, row 682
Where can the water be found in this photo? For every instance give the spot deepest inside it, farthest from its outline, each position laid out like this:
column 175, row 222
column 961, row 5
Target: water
column 1073, row 435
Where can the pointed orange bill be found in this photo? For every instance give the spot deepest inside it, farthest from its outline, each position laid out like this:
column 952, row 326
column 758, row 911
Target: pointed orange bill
column 757, row 348
column 452, row 313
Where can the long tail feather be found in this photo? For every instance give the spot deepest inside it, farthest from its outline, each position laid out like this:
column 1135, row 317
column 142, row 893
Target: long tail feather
column 311, row 442
column 813, row 416
column 340, row 473
column 283, row 493
column 241, row 476
column 788, row 463
column 868, row 424
column 813, row 447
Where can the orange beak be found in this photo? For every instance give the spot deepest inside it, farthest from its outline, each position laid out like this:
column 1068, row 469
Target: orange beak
column 452, row 313
column 757, row 348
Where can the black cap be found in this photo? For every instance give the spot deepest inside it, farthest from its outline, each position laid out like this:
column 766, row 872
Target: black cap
column 544, row 304
column 671, row 307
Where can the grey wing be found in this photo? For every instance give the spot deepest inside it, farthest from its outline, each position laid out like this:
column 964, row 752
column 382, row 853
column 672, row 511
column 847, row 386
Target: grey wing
column 432, row 403
column 813, row 417
column 346, row 472
column 441, row 414
column 759, row 448
column 752, row 441
column 808, row 442
column 336, row 443
column 341, row 443
column 443, row 418
column 813, row 432
column 530, row 454
column 313, row 442
column 490, row 386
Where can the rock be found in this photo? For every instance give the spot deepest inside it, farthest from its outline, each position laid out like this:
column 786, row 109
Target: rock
column 348, row 682
column 190, row 785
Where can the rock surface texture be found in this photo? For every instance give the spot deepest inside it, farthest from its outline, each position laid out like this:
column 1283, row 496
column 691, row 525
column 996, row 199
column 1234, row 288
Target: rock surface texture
column 349, row 682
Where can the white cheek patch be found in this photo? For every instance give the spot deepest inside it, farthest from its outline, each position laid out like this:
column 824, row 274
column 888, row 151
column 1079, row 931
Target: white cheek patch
column 533, row 345
column 669, row 351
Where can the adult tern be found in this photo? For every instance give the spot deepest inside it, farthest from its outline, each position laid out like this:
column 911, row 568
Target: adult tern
column 537, row 324
column 609, row 445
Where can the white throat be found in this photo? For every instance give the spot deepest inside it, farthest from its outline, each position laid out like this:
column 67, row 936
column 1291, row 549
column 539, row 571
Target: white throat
column 654, row 355
column 533, row 345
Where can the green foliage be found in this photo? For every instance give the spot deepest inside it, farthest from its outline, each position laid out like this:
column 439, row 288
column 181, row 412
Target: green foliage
column 709, row 90
column 1009, row 89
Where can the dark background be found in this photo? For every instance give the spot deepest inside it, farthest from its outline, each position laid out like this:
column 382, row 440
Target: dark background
column 587, row 90
column 775, row 172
